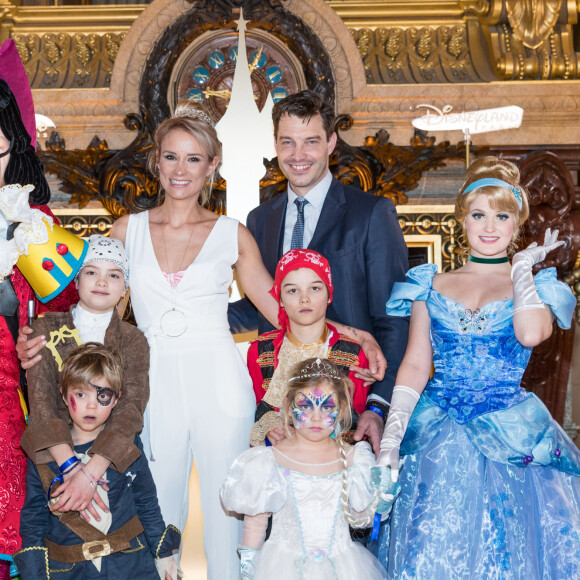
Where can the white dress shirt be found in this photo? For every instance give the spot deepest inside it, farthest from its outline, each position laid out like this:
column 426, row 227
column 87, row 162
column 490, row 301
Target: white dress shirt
column 91, row 327
column 312, row 209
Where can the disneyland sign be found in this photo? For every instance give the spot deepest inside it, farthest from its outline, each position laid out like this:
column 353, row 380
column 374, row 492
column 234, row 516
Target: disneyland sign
column 470, row 122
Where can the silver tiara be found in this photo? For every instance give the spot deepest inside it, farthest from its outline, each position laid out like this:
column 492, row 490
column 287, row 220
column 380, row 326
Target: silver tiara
column 191, row 113
column 318, row 368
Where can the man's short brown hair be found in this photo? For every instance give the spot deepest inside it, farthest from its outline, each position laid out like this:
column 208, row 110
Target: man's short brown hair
column 304, row 105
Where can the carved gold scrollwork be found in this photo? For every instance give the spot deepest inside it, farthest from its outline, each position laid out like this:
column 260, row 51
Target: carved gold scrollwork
column 68, row 61
column 527, row 39
column 532, row 21
column 425, row 54
column 56, row 51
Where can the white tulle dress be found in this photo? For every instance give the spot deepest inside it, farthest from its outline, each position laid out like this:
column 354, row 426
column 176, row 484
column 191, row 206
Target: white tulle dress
column 310, row 537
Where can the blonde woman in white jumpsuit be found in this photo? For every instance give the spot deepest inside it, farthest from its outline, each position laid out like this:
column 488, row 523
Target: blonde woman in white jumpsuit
column 181, row 260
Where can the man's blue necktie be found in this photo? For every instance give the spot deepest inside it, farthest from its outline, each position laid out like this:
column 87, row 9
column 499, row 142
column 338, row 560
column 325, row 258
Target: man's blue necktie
column 298, row 231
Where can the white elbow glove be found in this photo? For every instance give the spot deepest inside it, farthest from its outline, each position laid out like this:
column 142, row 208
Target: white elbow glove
column 248, row 561
column 403, row 403
column 525, row 293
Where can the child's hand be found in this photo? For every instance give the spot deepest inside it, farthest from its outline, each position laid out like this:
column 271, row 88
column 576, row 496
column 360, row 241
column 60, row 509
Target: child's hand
column 167, row 568
column 276, row 435
column 77, row 494
column 387, row 489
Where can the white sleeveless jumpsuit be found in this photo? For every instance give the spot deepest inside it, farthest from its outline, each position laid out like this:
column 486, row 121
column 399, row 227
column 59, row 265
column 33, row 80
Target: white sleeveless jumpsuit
column 201, row 404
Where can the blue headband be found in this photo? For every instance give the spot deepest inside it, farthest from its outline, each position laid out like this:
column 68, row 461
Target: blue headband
column 499, row 182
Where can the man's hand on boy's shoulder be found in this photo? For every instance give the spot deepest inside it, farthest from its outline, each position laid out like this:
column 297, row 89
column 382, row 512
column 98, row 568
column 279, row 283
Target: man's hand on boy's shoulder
column 363, row 374
column 371, row 425
column 27, row 350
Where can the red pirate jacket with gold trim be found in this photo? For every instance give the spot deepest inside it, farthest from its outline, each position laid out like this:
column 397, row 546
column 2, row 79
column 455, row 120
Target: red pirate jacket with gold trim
column 343, row 351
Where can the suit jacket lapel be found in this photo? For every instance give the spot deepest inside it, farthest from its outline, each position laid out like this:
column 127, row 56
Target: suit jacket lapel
column 333, row 211
column 274, row 231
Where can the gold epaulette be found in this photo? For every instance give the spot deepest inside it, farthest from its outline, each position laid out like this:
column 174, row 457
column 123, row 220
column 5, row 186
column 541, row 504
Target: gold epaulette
column 267, row 335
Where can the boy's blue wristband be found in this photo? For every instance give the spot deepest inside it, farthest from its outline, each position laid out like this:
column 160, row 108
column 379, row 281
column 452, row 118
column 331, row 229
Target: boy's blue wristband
column 68, row 464
column 376, row 410
column 58, row 479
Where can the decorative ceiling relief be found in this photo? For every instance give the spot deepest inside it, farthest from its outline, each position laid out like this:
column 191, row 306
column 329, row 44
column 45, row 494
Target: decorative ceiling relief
column 526, row 40
column 533, row 21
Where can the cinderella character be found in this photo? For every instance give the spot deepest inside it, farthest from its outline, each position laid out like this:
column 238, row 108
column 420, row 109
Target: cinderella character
column 490, row 484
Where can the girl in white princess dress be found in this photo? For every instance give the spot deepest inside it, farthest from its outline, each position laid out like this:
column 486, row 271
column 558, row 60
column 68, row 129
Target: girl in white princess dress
column 312, row 483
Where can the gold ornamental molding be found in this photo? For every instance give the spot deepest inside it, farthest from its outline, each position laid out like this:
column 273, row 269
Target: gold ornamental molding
column 465, row 41
column 433, row 229
column 68, row 46
column 531, row 40
column 415, row 42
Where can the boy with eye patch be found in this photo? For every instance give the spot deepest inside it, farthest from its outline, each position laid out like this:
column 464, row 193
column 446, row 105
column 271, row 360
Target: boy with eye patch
column 130, row 539
column 102, row 282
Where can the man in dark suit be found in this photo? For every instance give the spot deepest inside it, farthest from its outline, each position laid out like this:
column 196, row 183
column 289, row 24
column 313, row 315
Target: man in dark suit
column 358, row 233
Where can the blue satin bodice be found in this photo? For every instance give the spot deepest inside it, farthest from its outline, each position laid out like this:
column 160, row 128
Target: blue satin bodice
column 479, row 365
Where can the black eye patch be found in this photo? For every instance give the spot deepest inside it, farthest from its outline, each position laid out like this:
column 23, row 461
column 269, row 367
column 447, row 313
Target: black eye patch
column 105, row 395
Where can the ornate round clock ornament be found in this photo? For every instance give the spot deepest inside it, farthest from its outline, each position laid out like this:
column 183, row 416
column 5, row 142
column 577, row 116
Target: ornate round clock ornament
column 205, row 70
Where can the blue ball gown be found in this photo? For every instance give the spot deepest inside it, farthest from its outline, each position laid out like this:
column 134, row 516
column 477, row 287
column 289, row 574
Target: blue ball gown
column 490, row 482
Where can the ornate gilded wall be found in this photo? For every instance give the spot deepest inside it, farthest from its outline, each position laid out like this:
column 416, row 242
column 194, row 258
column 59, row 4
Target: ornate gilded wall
column 387, row 58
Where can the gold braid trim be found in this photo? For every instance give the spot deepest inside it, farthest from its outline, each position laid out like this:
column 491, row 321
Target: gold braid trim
column 61, row 335
column 45, row 556
column 343, row 358
column 140, row 546
column 262, row 426
column 163, row 538
column 268, row 336
column 345, row 338
column 266, row 359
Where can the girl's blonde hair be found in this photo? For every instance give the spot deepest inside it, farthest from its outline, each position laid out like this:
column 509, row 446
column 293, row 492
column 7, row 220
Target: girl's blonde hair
column 500, row 198
column 188, row 117
column 304, row 376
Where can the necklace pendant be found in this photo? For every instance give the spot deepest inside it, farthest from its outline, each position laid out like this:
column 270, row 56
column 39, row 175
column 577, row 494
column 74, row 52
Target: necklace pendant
column 173, row 323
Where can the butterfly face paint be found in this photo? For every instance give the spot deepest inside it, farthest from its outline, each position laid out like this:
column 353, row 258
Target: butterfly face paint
column 315, row 408
column 105, row 395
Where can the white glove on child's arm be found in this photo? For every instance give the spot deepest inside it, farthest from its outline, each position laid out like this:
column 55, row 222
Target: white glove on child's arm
column 403, row 403
column 167, row 568
column 525, row 293
column 248, row 561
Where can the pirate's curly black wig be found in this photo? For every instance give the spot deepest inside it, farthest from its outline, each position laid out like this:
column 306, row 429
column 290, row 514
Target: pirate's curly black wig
column 24, row 166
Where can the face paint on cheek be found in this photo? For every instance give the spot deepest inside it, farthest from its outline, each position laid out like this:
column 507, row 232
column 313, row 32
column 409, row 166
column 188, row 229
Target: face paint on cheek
column 73, row 403
column 300, row 418
column 330, row 420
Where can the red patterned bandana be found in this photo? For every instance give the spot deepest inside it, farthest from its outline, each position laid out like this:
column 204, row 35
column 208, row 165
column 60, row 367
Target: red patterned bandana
column 293, row 260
